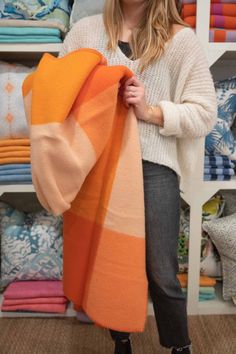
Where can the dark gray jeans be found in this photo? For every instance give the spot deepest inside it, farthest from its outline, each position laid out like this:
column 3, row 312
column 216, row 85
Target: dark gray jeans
column 162, row 214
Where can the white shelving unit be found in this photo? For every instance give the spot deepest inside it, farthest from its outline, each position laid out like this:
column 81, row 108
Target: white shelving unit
column 197, row 191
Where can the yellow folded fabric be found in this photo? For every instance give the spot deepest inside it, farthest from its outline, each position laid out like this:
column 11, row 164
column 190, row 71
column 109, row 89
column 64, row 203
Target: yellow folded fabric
column 13, row 142
column 8, row 160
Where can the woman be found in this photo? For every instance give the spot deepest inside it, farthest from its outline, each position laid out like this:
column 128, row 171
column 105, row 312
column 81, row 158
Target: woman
column 173, row 97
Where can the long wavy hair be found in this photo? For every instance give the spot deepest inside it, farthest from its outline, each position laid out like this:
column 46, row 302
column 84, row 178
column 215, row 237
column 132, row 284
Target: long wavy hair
column 154, row 30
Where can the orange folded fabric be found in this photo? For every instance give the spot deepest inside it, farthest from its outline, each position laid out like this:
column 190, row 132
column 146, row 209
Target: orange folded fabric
column 13, row 142
column 189, row 10
column 203, row 281
column 7, row 160
column 12, row 154
column 14, row 148
column 216, row 9
column 92, row 172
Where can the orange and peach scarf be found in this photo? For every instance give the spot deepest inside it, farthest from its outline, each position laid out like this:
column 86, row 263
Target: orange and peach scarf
column 86, row 164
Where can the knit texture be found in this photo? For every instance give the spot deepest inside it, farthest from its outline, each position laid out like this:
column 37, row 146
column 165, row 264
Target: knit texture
column 179, row 82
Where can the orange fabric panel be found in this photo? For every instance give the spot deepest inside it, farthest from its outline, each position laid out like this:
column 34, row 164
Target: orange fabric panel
column 7, row 160
column 100, row 278
column 14, row 148
column 15, row 154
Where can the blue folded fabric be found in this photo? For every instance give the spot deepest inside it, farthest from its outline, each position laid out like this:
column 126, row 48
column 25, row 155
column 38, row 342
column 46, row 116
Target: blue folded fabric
column 219, row 165
column 30, row 31
column 219, row 171
column 14, row 166
column 16, row 178
column 30, row 39
column 219, row 159
column 213, row 177
column 20, row 171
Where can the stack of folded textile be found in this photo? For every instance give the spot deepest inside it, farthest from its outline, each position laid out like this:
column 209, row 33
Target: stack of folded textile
column 218, row 168
column 14, row 133
column 206, row 289
column 35, row 296
column 15, row 165
column 222, row 18
column 34, row 21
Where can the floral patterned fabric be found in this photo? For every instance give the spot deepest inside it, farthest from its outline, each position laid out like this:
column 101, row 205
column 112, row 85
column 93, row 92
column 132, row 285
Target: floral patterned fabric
column 31, row 245
column 48, row 10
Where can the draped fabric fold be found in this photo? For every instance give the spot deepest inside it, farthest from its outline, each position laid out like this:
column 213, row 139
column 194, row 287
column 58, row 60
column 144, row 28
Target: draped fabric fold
column 86, row 164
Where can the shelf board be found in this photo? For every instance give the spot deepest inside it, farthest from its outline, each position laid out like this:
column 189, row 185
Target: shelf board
column 217, row 185
column 217, row 306
column 30, row 47
column 12, row 188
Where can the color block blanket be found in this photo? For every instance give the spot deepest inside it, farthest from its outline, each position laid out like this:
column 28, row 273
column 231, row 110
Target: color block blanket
column 87, row 141
column 221, row 35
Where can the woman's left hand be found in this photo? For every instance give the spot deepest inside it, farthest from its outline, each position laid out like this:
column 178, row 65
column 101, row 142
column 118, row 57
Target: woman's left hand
column 134, row 94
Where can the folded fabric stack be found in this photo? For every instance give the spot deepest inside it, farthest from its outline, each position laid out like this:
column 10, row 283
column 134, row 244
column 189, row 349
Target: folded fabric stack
column 35, row 296
column 218, row 168
column 31, row 245
column 206, row 286
column 222, row 18
column 34, row 21
column 15, row 165
column 14, row 134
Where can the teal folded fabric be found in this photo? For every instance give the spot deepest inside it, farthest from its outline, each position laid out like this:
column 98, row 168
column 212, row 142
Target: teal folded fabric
column 30, row 31
column 20, row 171
column 206, row 290
column 205, row 293
column 34, row 39
column 16, row 166
column 15, row 178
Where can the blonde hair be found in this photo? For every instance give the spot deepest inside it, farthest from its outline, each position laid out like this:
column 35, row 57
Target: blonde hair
column 149, row 38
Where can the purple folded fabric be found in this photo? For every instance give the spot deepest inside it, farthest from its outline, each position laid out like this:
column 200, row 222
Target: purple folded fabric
column 32, row 289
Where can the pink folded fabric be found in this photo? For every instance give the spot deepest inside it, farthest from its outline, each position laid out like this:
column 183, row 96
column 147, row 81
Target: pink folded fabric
column 55, row 308
column 36, row 300
column 34, row 289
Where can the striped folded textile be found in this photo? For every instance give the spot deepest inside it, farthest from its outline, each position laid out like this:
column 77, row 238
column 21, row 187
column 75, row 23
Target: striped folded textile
column 217, row 159
column 219, row 171
column 222, row 35
column 219, row 165
column 214, row 177
column 182, row 2
column 216, row 9
column 225, row 22
column 89, row 146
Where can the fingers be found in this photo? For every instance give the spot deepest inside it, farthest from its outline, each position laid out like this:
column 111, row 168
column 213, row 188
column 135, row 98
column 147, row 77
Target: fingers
column 133, row 81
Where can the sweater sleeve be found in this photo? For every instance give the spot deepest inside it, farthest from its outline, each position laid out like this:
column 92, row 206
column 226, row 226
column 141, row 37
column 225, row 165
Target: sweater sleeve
column 195, row 114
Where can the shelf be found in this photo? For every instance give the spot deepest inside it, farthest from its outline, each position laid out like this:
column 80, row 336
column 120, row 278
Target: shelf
column 217, row 306
column 11, row 188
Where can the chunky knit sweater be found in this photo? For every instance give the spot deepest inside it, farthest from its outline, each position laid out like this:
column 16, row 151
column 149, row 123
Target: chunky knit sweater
column 179, row 82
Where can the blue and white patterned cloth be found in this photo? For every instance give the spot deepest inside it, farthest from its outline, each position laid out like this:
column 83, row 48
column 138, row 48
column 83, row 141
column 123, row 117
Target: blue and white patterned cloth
column 47, row 10
column 31, row 245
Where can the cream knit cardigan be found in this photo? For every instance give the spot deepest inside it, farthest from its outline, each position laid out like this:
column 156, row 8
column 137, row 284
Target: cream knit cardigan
column 179, row 82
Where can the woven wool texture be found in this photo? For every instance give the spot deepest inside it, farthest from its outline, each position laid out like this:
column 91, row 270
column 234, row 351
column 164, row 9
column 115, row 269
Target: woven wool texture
column 180, row 82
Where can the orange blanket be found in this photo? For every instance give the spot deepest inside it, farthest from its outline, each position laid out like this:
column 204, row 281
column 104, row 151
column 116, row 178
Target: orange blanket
column 216, row 9
column 86, row 163
column 203, row 280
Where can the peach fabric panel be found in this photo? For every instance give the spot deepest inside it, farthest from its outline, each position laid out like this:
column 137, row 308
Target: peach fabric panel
column 122, row 215
column 70, row 151
column 98, row 287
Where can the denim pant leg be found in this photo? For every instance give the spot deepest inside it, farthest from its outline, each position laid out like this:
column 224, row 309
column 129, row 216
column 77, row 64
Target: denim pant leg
column 162, row 214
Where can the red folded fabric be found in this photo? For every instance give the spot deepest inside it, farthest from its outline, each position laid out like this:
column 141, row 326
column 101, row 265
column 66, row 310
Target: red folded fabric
column 55, row 308
column 216, row 9
column 36, row 300
column 34, row 289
